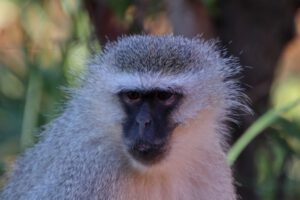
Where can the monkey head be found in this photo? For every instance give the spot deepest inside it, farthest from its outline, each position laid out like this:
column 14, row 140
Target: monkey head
column 149, row 85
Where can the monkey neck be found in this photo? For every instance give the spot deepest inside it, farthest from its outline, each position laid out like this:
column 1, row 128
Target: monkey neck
column 196, row 165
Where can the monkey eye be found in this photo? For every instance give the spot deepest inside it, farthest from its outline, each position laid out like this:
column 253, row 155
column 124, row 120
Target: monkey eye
column 166, row 97
column 132, row 96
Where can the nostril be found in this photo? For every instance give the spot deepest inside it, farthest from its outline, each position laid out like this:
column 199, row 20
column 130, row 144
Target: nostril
column 144, row 123
column 147, row 123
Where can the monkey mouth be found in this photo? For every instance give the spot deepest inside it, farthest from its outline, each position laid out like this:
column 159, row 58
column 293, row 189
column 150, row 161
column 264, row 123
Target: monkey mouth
column 147, row 153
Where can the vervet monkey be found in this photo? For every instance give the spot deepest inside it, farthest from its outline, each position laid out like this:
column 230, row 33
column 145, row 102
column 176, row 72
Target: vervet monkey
column 146, row 124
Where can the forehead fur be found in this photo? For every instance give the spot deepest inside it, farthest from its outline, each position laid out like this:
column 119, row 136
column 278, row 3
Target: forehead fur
column 147, row 62
column 165, row 54
column 192, row 66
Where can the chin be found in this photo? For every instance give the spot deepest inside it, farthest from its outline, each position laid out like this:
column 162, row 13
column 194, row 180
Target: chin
column 144, row 163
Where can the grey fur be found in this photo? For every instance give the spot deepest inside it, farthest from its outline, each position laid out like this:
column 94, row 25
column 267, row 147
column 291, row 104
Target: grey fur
column 81, row 154
column 165, row 54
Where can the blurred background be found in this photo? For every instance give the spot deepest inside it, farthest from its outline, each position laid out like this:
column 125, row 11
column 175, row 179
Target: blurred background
column 44, row 46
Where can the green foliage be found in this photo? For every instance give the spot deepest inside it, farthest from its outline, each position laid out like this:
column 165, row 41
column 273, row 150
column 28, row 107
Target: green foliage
column 212, row 6
column 274, row 159
column 32, row 104
column 47, row 48
column 260, row 125
column 119, row 6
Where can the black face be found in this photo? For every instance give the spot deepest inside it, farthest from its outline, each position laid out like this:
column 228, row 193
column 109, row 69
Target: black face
column 148, row 125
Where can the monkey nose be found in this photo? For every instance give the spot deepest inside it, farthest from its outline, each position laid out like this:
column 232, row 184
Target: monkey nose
column 144, row 118
column 144, row 122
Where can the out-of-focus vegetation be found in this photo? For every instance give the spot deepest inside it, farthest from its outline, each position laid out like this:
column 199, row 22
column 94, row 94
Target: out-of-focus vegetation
column 275, row 159
column 44, row 45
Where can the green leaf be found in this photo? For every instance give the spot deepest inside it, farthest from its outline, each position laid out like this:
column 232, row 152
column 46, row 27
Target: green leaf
column 255, row 129
column 32, row 106
column 290, row 127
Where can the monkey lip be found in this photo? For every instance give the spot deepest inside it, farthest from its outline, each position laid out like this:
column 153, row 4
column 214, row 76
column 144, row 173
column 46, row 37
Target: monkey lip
column 147, row 153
